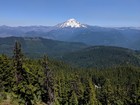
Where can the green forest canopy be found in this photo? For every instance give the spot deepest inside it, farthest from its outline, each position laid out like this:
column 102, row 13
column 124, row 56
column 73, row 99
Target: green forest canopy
column 45, row 81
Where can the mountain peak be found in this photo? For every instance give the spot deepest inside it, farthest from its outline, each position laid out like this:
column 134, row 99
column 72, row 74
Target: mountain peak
column 71, row 23
column 72, row 19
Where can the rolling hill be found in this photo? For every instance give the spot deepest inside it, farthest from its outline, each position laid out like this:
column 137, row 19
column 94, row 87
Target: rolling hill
column 103, row 56
column 37, row 47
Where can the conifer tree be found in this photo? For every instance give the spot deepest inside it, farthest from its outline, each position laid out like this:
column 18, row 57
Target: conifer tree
column 63, row 89
column 5, row 74
column 92, row 98
column 73, row 99
column 138, row 92
column 18, row 62
column 89, row 93
column 48, row 84
column 106, row 95
column 21, row 85
column 132, row 97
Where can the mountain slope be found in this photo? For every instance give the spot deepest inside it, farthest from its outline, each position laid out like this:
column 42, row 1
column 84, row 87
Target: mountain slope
column 73, row 31
column 103, row 56
column 36, row 47
column 72, row 23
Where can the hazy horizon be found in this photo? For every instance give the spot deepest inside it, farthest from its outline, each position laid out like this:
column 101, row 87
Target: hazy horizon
column 109, row 13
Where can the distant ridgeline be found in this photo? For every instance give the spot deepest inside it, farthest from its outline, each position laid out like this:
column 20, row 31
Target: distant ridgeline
column 74, row 31
column 36, row 47
column 73, row 53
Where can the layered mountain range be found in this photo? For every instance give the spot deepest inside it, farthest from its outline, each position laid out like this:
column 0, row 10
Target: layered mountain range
column 73, row 31
column 72, row 53
column 36, row 47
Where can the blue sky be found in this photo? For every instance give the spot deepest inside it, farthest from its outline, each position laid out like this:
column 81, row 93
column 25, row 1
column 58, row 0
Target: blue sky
column 50, row 12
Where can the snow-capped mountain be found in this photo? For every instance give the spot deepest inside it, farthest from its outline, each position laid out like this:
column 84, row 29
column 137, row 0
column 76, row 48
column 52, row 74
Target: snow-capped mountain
column 73, row 31
column 71, row 23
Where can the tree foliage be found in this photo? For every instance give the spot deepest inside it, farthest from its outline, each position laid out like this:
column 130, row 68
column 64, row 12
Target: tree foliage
column 50, row 82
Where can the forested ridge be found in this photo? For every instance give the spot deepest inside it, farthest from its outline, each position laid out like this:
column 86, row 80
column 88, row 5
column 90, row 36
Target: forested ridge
column 36, row 47
column 102, row 57
column 25, row 81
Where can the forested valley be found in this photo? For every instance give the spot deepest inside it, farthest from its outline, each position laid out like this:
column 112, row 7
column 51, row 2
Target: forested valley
column 45, row 81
